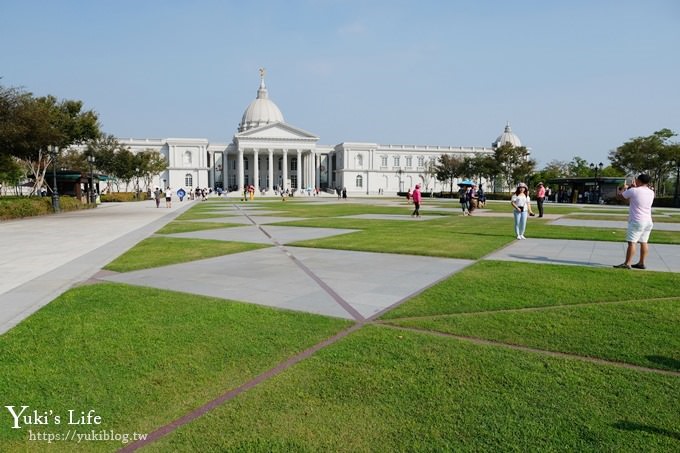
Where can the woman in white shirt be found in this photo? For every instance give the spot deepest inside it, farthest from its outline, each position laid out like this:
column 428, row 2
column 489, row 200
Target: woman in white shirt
column 521, row 205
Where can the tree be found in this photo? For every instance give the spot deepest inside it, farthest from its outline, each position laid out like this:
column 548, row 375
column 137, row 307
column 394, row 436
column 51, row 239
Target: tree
column 514, row 164
column 31, row 125
column 73, row 159
column 579, row 167
column 11, row 173
column 150, row 163
column 124, row 166
column 674, row 154
column 486, row 167
column 448, row 168
column 652, row 155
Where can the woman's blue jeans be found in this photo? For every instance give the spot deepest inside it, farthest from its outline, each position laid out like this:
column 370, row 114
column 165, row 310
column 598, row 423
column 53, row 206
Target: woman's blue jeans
column 520, row 222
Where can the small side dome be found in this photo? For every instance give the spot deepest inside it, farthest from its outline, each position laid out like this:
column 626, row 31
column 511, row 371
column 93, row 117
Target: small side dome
column 261, row 111
column 507, row 137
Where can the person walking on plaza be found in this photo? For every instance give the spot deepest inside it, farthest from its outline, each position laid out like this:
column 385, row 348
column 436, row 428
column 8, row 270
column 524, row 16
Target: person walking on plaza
column 463, row 200
column 521, row 205
column 157, row 195
column 168, row 197
column 540, row 198
column 417, row 198
column 640, row 224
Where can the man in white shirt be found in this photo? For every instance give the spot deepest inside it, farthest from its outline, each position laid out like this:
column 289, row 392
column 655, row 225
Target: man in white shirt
column 640, row 222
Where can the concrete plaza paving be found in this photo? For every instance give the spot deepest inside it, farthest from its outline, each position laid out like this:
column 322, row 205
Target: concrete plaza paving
column 368, row 282
column 43, row 257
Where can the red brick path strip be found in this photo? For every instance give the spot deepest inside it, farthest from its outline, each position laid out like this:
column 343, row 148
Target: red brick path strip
column 481, row 341
column 231, row 394
column 330, row 291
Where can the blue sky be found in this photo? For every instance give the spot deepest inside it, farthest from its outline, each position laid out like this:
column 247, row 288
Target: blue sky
column 572, row 77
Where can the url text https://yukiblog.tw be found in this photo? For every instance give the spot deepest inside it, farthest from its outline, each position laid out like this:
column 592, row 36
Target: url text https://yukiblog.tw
column 73, row 435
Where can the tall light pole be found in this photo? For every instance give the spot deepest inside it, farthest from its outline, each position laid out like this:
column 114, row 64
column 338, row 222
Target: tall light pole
column 137, row 183
column 54, row 152
column 90, row 160
column 401, row 183
column 598, row 169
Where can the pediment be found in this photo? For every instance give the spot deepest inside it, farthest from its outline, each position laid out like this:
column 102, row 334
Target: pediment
column 277, row 131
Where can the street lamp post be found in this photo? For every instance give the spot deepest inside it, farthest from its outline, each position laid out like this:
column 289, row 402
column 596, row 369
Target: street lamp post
column 136, row 183
column 54, row 152
column 90, row 160
column 598, row 169
column 401, row 183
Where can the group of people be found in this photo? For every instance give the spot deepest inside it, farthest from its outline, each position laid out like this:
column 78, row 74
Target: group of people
column 640, row 224
column 471, row 198
column 168, row 193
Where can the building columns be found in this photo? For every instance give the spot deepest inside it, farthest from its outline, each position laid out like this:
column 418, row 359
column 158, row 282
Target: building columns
column 225, row 166
column 284, row 168
column 270, row 171
column 213, row 169
column 256, row 169
column 299, row 170
column 239, row 169
column 315, row 174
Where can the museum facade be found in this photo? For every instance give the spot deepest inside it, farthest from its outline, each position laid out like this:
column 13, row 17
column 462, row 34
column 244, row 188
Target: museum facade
column 270, row 154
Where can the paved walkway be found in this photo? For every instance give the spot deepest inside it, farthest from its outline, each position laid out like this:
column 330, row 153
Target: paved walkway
column 43, row 257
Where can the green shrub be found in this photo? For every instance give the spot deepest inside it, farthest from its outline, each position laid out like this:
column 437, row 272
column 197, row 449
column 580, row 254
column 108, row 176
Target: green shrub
column 18, row 207
column 117, row 197
column 498, row 195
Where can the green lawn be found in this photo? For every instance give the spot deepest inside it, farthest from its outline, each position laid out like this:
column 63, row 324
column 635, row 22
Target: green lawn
column 161, row 251
column 645, row 333
column 179, row 226
column 387, row 390
column 498, row 285
column 140, row 357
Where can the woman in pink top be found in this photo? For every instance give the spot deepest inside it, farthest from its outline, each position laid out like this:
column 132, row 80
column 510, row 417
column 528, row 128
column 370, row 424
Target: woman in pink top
column 417, row 197
column 540, row 198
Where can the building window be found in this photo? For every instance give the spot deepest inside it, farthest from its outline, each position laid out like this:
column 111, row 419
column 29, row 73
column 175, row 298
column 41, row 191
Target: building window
column 360, row 161
column 280, row 160
column 409, row 161
column 233, row 164
column 383, row 161
column 188, row 180
column 360, row 181
column 187, row 158
column 293, row 182
column 396, row 161
column 293, row 164
column 421, row 161
column 245, row 163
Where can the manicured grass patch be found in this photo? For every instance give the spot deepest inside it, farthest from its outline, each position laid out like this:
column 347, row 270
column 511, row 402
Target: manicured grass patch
column 185, row 227
column 139, row 357
column 624, row 218
column 320, row 209
column 161, row 251
column 387, row 390
column 497, row 285
column 444, row 237
column 645, row 333
column 193, row 214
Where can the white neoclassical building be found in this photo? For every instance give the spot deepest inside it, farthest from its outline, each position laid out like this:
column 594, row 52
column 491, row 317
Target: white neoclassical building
column 269, row 153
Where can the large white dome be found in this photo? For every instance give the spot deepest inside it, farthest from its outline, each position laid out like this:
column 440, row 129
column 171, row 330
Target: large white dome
column 261, row 111
column 507, row 137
